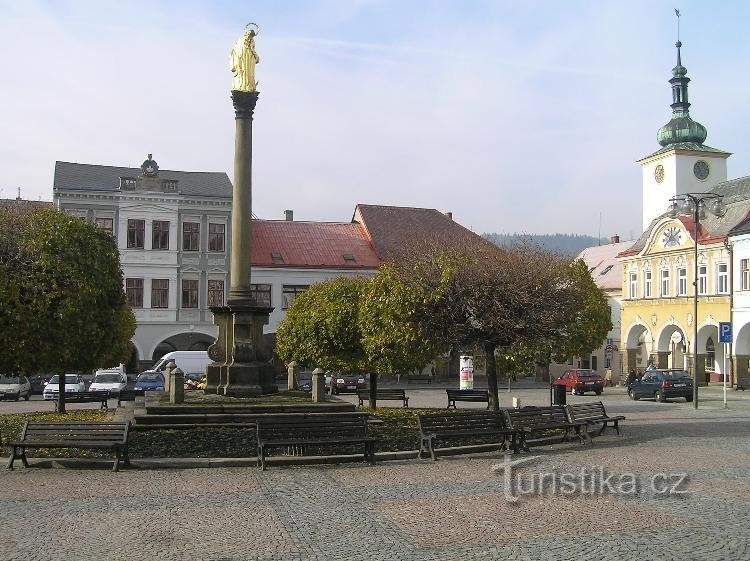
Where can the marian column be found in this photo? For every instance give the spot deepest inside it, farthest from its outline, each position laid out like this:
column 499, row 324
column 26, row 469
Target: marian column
column 242, row 360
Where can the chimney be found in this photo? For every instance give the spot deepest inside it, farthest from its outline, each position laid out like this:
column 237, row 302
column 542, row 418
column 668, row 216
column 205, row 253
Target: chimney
column 614, row 239
column 449, row 215
column 289, row 215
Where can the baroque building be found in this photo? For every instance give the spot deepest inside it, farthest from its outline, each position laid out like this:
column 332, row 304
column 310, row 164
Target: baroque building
column 172, row 229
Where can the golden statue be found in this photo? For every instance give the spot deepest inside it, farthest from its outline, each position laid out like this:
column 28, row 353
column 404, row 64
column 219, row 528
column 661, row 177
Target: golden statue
column 243, row 60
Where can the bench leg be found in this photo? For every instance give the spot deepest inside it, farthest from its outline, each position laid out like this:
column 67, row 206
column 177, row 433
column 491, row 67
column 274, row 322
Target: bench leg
column 262, row 457
column 601, row 430
column 617, row 427
column 406, row 402
column 370, row 453
column 361, row 403
column 453, row 404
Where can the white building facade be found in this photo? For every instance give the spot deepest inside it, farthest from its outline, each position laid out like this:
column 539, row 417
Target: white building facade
column 173, row 231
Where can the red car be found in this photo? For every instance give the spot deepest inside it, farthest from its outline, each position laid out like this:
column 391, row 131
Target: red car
column 580, row 381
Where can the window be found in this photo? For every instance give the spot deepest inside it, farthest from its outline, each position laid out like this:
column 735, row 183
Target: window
column 105, row 224
column 722, row 279
column 570, row 361
column 593, row 362
column 702, row 279
column 127, row 183
column 160, row 293
column 189, row 293
column 647, row 292
column 633, row 285
column 606, row 270
column 710, row 355
column 215, row 292
column 170, row 185
column 289, row 292
column 160, row 234
column 136, row 229
column 191, row 236
column 682, row 282
column 261, row 294
column 745, row 273
column 664, row 283
column 134, row 292
column 607, row 360
column 215, row 237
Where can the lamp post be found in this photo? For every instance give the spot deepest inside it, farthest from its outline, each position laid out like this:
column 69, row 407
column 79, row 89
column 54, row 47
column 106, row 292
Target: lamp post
column 695, row 205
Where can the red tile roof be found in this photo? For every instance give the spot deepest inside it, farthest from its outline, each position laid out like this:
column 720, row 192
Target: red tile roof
column 311, row 245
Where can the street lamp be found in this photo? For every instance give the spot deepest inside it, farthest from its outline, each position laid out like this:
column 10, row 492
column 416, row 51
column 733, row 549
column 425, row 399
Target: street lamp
column 696, row 205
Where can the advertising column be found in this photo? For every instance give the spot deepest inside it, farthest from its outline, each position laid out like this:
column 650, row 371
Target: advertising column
column 466, row 374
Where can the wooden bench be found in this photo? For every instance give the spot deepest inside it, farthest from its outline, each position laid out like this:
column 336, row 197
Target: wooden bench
column 384, row 395
column 457, row 427
column 316, row 430
column 128, row 395
column 593, row 413
column 86, row 397
column 72, row 435
column 419, row 378
column 480, row 396
column 536, row 420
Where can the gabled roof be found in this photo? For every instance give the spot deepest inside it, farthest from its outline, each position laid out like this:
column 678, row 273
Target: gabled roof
column 392, row 228
column 89, row 177
column 603, row 265
column 327, row 245
column 689, row 146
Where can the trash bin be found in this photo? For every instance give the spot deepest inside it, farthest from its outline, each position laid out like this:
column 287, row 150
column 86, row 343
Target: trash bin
column 558, row 394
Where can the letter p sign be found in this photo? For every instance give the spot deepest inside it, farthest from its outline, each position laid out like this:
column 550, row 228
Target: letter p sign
column 725, row 332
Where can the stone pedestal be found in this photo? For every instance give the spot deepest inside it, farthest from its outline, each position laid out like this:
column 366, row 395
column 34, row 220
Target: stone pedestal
column 219, row 352
column 249, row 373
column 176, row 386
column 318, row 385
column 168, row 375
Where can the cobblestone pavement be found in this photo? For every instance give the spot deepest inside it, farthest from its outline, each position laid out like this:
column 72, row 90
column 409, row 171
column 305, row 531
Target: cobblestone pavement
column 456, row 508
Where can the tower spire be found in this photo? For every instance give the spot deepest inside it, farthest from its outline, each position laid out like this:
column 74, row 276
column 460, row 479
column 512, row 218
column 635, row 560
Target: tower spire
column 681, row 128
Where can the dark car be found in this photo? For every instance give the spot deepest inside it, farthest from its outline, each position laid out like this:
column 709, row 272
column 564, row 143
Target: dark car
column 580, row 380
column 149, row 381
column 662, row 385
column 304, row 380
column 341, row 383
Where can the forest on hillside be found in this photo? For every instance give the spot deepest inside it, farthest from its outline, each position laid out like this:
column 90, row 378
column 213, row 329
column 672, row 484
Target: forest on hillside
column 565, row 244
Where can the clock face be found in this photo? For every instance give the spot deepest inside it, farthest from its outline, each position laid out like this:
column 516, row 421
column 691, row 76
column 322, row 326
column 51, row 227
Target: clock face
column 700, row 169
column 659, row 173
column 672, row 237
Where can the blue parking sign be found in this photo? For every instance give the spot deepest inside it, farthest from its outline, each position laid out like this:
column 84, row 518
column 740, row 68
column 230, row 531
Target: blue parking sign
column 725, row 332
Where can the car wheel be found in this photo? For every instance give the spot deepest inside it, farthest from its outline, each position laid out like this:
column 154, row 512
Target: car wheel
column 632, row 395
column 27, row 396
column 599, row 392
column 689, row 398
column 17, row 397
column 659, row 396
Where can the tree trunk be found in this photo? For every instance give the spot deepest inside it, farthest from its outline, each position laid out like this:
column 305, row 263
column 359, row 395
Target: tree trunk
column 373, row 391
column 489, row 354
column 61, row 394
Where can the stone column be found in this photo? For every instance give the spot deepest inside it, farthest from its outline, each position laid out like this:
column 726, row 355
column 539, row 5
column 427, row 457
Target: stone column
column 176, row 386
column 742, row 376
column 662, row 359
column 318, row 385
column 700, row 370
column 291, row 375
column 168, row 375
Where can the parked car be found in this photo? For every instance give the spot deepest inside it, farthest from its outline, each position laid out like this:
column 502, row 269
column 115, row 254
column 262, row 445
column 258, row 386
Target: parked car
column 72, row 383
column 580, row 380
column 149, row 381
column 38, row 381
column 341, row 383
column 14, row 387
column 662, row 385
column 304, row 380
column 110, row 380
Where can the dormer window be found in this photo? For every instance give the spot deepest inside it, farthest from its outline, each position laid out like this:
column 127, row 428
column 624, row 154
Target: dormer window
column 606, row 270
column 349, row 258
column 127, row 183
column 169, row 185
column 276, row 257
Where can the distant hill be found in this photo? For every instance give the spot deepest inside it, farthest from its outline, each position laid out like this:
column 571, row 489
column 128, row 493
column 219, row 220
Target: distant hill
column 565, row 244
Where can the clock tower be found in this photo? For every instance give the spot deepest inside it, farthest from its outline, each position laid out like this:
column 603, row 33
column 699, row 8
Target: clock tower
column 683, row 164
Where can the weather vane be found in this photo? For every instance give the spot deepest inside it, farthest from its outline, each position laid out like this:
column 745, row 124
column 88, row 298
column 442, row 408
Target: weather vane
column 677, row 13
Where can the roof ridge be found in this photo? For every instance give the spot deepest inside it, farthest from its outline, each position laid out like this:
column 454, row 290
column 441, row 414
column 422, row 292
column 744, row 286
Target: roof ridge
column 136, row 168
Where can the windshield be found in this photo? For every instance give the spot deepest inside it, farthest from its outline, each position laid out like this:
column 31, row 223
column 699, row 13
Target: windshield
column 9, row 379
column 150, row 378
column 69, row 379
column 107, row 379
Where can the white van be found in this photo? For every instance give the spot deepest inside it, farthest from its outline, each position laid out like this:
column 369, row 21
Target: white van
column 192, row 363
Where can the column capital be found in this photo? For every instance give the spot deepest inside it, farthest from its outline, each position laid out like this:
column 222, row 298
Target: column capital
column 244, row 104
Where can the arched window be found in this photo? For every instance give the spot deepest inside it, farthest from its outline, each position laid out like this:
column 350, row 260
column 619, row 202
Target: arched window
column 710, row 355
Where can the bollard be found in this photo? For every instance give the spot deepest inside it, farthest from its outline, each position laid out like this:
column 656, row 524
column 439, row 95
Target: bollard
column 168, row 374
column 176, row 386
column 291, row 376
column 318, row 385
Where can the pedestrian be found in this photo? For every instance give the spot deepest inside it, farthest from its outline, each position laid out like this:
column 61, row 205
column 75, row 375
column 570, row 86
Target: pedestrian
column 631, row 377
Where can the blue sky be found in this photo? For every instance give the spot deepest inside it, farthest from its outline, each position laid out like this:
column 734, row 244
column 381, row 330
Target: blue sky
column 515, row 116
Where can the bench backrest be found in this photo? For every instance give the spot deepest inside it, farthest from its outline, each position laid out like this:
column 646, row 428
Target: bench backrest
column 312, row 426
column 383, row 394
column 115, row 433
column 467, row 393
column 532, row 417
column 435, row 423
column 586, row 411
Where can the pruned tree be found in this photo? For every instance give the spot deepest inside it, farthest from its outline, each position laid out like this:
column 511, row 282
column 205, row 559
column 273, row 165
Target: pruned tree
column 61, row 292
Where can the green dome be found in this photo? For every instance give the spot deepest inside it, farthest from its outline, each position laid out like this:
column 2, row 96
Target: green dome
column 681, row 129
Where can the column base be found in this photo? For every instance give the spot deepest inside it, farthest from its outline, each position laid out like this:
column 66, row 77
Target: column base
column 216, row 377
column 249, row 380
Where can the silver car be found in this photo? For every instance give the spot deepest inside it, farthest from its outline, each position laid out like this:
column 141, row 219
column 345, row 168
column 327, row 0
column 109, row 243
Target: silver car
column 14, row 387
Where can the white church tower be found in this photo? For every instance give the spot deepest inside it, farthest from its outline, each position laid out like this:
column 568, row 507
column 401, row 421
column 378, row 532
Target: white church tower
column 683, row 164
